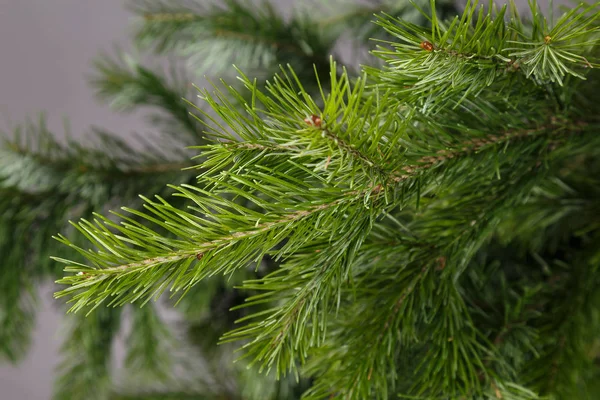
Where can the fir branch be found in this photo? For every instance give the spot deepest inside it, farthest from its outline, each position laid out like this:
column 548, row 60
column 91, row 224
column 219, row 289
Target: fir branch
column 150, row 345
column 243, row 246
column 35, row 163
column 454, row 254
column 17, row 299
column 44, row 182
column 129, row 85
column 217, row 35
column 557, row 50
column 303, row 290
column 444, row 256
column 563, row 338
column 307, row 181
column 62, row 164
column 257, row 234
column 298, row 300
column 475, row 52
column 296, row 123
column 356, row 18
column 84, row 372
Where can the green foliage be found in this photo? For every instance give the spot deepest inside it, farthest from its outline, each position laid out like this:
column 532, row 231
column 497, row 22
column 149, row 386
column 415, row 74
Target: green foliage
column 127, row 85
column 17, row 297
column 37, row 180
column 254, row 36
column 355, row 21
column 434, row 221
column 150, row 345
column 87, row 356
column 424, row 229
column 45, row 181
column 480, row 50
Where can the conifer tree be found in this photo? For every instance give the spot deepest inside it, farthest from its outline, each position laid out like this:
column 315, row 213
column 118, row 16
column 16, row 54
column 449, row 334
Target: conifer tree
column 45, row 181
column 426, row 227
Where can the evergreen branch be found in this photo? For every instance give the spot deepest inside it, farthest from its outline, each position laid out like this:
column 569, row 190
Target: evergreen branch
column 161, row 13
column 293, row 123
column 302, row 290
column 446, row 258
column 50, row 168
column 475, row 52
column 129, row 85
column 479, row 131
column 62, row 164
column 42, row 183
column 490, row 142
column 185, row 252
column 215, row 35
column 17, row 300
column 84, row 372
column 360, row 380
column 275, row 329
column 357, row 18
column 149, row 346
column 390, row 298
column 563, row 338
column 553, row 51
column 243, row 246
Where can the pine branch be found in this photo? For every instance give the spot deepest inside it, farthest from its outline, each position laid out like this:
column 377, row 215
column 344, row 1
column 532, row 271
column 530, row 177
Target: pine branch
column 43, row 183
column 301, row 292
column 243, row 246
column 367, row 374
column 379, row 308
column 153, row 265
column 85, row 370
column 17, row 297
column 555, row 51
column 475, row 52
column 357, row 18
column 35, row 162
column 213, row 36
column 574, row 323
column 129, row 85
column 149, row 345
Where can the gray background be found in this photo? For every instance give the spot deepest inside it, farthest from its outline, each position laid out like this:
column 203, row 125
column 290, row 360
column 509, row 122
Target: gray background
column 45, row 51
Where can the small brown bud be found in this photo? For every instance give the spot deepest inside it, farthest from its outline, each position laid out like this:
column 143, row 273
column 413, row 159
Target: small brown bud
column 547, row 39
column 427, row 46
column 199, row 256
column 441, row 263
column 313, row 120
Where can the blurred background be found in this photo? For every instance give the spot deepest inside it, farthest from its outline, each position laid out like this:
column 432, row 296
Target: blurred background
column 46, row 48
